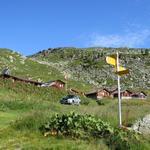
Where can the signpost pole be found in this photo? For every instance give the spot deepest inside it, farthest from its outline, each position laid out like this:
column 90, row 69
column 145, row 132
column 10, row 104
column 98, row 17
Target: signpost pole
column 119, row 70
column 119, row 96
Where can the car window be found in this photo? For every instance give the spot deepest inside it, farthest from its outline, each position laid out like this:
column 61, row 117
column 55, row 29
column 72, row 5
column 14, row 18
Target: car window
column 70, row 96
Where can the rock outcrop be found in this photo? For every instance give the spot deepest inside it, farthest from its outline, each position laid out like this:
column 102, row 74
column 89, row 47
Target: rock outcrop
column 142, row 125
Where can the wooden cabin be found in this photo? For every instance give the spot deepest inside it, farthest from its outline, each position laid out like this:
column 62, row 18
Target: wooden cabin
column 103, row 93
column 14, row 78
column 126, row 94
column 139, row 95
column 91, row 94
column 75, row 92
column 55, row 83
column 58, row 84
column 142, row 95
column 98, row 94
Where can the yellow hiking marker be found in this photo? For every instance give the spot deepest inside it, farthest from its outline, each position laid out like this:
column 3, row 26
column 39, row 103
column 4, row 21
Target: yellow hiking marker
column 112, row 59
column 121, row 70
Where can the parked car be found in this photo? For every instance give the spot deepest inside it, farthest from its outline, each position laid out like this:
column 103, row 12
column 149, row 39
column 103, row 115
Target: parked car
column 70, row 99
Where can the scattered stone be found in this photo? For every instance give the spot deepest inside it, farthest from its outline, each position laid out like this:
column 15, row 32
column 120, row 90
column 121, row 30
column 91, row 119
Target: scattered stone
column 11, row 59
column 142, row 125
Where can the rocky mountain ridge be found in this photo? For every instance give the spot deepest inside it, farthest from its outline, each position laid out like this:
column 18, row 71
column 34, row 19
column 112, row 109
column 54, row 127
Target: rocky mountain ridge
column 89, row 65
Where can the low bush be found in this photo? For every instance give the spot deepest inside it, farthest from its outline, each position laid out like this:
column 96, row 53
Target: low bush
column 76, row 125
column 86, row 127
column 100, row 102
column 85, row 101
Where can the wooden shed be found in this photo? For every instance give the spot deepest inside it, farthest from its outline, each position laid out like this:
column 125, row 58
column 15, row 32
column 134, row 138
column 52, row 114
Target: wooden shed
column 58, row 84
column 139, row 95
column 103, row 93
column 125, row 94
column 91, row 94
column 98, row 94
column 72, row 91
column 55, row 83
column 15, row 78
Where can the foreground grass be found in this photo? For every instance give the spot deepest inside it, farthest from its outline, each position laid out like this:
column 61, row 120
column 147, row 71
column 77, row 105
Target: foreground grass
column 24, row 108
column 13, row 139
column 7, row 117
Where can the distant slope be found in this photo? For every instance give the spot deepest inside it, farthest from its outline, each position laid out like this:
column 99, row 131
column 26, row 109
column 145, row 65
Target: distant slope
column 88, row 64
column 23, row 66
column 28, row 68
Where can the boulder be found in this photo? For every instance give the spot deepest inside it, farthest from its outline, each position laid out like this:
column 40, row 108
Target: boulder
column 142, row 125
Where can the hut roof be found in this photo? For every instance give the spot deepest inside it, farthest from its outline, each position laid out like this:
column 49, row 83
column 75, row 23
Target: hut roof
column 97, row 90
column 21, row 79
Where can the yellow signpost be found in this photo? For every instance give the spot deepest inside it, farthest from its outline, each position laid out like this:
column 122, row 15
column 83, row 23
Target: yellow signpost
column 119, row 70
column 112, row 60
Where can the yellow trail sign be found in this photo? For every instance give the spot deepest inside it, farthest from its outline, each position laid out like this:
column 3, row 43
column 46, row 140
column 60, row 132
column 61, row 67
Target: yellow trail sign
column 121, row 70
column 112, row 60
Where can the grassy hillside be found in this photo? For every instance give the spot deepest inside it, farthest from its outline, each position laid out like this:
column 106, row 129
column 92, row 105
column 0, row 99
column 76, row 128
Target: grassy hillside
column 24, row 108
column 89, row 65
column 27, row 68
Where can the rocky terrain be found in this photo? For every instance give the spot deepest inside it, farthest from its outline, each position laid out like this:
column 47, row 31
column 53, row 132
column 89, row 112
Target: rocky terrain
column 89, row 65
column 142, row 125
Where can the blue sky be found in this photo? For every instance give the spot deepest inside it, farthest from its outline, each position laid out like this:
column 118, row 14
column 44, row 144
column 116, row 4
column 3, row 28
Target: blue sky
column 28, row 26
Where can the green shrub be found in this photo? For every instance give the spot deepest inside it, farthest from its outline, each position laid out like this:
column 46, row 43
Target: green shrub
column 84, row 101
column 87, row 127
column 76, row 125
column 100, row 102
